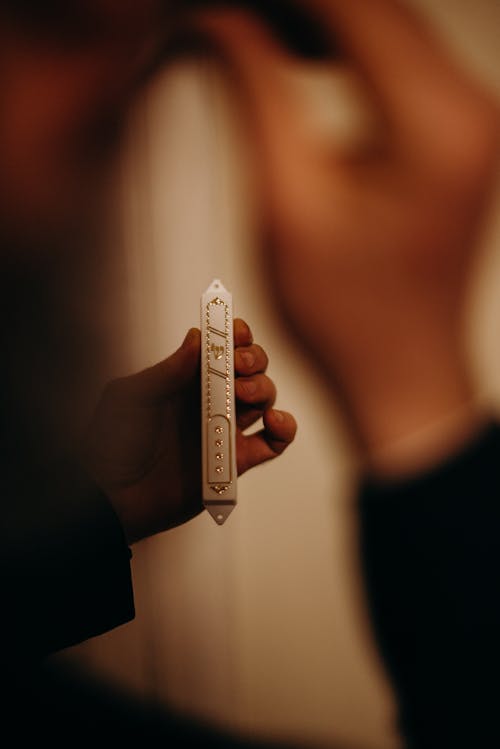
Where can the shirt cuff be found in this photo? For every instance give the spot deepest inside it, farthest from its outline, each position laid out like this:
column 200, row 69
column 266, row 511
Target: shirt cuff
column 421, row 450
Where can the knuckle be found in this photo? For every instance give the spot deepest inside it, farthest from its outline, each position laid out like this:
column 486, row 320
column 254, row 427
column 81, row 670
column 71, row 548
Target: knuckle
column 248, row 387
column 261, row 357
column 265, row 358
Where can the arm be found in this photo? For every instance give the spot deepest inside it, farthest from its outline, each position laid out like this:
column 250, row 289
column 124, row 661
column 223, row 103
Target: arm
column 143, row 445
column 64, row 553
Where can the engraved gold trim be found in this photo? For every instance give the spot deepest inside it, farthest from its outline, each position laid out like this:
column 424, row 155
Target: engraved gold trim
column 218, row 389
column 215, row 372
column 217, row 301
column 220, row 443
column 220, row 489
column 217, row 332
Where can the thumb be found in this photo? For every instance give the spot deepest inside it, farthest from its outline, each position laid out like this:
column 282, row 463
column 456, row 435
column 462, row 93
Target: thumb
column 168, row 376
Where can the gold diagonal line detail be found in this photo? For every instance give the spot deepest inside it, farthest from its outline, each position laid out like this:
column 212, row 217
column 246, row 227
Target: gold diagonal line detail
column 219, row 332
column 220, row 374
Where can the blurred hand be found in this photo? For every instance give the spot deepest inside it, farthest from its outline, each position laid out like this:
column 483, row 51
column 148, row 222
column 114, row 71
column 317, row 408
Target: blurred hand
column 369, row 248
column 143, row 446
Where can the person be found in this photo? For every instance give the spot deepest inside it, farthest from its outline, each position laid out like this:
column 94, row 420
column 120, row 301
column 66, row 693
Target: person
column 380, row 241
column 72, row 508
column 370, row 247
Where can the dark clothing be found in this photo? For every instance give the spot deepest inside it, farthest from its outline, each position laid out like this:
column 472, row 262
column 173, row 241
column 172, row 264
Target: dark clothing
column 65, row 708
column 431, row 554
column 64, row 563
column 65, row 575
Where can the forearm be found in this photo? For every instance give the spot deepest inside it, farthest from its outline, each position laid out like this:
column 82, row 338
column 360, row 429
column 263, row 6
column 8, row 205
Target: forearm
column 405, row 384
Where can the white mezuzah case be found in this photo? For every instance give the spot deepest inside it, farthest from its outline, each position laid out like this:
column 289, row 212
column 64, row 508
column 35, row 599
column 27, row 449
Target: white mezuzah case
column 218, row 414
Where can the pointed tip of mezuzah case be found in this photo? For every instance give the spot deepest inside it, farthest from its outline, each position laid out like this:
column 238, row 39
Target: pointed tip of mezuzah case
column 216, row 285
column 220, row 512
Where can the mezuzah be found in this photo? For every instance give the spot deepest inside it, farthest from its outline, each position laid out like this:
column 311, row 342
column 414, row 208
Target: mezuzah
column 218, row 415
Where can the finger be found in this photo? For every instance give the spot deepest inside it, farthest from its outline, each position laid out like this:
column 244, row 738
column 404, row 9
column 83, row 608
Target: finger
column 250, row 360
column 247, row 416
column 258, row 389
column 242, row 333
column 279, row 432
column 168, row 376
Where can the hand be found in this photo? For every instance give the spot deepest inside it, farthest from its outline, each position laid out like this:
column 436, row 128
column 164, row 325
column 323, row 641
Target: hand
column 370, row 248
column 143, row 445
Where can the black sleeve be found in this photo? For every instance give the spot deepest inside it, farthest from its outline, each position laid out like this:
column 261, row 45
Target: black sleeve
column 64, row 563
column 431, row 560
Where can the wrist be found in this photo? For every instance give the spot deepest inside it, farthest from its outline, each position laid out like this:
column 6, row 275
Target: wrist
column 432, row 443
column 412, row 408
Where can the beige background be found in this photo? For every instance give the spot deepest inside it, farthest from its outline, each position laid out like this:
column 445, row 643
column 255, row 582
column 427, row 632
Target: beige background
column 259, row 625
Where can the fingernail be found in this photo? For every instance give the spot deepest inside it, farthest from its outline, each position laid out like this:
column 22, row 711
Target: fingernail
column 247, row 330
column 279, row 416
column 247, row 358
